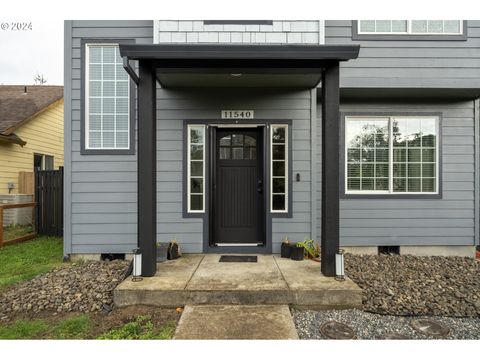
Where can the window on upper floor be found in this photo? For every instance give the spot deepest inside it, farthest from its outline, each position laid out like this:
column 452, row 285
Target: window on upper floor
column 410, row 27
column 107, row 108
column 391, row 155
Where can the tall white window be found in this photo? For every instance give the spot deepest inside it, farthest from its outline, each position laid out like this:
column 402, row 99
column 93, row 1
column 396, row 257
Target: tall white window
column 107, row 91
column 279, row 169
column 196, row 169
column 413, row 27
column 395, row 154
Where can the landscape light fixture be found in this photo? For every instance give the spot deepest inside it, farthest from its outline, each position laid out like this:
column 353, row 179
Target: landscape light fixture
column 339, row 266
column 137, row 265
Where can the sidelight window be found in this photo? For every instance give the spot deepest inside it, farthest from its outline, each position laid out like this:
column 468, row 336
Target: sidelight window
column 196, row 168
column 279, row 169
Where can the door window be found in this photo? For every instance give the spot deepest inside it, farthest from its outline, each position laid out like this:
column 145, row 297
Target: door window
column 238, row 147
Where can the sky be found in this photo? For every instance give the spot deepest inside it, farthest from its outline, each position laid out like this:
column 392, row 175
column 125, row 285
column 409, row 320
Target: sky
column 25, row 53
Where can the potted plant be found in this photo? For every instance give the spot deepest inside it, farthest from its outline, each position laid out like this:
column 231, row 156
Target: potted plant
column 311, row 250
column 297, row 252
column 162, row 251
column 173, row 251
column 286, row 248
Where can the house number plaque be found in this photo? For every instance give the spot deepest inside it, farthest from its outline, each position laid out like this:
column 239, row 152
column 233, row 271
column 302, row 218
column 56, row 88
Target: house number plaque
column 237, row 114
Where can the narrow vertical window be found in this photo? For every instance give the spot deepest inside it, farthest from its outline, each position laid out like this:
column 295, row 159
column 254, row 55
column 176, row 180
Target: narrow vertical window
column 279, row 169
column 196, row 168
column 107, row 108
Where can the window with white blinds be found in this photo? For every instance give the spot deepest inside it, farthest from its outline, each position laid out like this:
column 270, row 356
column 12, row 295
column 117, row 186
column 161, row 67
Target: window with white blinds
column 391, row 155
column 411, row 27
column 107, row 92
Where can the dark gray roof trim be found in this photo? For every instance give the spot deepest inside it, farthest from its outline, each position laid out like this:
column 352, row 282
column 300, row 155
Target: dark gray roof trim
column 240, row 52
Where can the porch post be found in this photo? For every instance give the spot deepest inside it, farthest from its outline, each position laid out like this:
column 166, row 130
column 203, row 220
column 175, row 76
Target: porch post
column 147, row 167
column 330, row 168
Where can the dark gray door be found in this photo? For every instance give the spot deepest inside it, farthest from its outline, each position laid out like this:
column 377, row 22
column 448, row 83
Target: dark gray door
column 238, row 188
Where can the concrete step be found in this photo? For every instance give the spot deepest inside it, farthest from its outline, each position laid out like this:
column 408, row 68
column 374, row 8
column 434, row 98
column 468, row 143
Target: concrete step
column 235, row 322
column 202, row 280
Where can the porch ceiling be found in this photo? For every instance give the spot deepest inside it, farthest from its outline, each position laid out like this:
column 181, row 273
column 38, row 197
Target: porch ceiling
column 199, row 65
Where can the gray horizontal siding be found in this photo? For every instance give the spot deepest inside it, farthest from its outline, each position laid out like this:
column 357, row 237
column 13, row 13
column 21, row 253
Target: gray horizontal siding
column 101, row 210
column 446, row 221
column 409, row 63
column 174, row 106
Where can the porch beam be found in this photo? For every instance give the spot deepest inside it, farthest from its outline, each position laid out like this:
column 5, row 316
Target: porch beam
column 330, row 168
column 146, row 166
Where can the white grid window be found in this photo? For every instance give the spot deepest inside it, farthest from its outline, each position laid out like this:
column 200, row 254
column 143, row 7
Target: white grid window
column 107, row 90
column 411, row 27
column 397, row 154
column 279, row 169
column 196, row 169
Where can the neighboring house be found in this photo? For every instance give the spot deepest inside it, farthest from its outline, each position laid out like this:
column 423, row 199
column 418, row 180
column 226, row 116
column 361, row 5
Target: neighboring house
column 31, row 132
column 224, row 136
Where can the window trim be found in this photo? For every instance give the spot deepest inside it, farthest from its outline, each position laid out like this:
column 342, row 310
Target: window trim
column 357, row 35
column 344, row 194
column 287, row 168
column 204, row 127
column 84, row 150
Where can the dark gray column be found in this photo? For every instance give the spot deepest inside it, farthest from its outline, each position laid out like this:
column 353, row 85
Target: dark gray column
column 147, row 169
column 330, row 168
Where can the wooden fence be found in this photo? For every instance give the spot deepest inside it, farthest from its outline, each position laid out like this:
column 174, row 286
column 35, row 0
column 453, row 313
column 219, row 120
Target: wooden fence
column 26, row 183
column 3, row 240
column 49, row 199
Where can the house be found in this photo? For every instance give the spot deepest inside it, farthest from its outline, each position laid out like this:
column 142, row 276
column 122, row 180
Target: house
column 31, row 137
column 230, row 136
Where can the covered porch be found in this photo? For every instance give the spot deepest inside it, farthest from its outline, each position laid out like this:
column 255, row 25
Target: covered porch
column 244, row 66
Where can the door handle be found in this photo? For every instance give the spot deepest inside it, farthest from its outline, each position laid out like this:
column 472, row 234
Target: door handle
column 260, row 186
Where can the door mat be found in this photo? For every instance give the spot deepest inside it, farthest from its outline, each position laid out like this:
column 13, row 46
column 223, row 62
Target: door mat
column 238, row 258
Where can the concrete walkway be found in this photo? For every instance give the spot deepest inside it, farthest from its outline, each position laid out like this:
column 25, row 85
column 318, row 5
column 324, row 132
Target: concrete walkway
column 234, row 322
column 200, row 279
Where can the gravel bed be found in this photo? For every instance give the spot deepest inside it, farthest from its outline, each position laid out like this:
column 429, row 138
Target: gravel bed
column 417, row 285
column 85, row 288
column 376, row 326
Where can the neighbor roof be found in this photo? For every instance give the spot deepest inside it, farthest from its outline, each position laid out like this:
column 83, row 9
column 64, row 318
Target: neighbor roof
column 20, row 103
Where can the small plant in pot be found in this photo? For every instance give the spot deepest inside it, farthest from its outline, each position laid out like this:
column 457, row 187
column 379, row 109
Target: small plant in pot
column 162, row 252
column 311, row 250
column 297, row 252
column 286, row 248
column 173, row 250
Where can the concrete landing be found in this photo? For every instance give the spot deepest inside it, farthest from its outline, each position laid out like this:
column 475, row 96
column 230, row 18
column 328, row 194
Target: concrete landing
column 236, row 322
column 200, row 279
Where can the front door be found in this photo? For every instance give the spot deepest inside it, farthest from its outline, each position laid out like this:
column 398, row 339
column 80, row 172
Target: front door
column 238, row 205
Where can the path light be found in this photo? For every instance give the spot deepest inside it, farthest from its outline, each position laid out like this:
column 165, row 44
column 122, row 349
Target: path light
column 137, row 265
column 339, row 266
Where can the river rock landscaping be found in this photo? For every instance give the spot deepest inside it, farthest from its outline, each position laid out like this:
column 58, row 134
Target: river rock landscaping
column 85, row 288
column 417, row 285
column 371, row 326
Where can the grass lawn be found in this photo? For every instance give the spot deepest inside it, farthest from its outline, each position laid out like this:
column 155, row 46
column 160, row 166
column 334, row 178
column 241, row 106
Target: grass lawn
column 90, row 326
column 25, row 260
